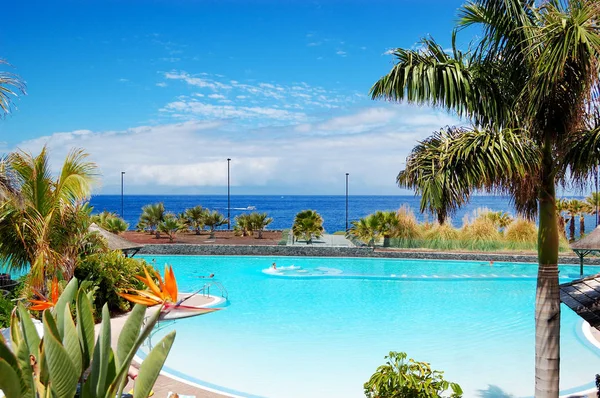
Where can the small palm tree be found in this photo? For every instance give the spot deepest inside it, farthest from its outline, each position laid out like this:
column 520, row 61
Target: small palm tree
column 195, row 218
column 500, row 218
column 243, row 225
column 170, row 225
column 258, row 222
column 593, row 202
column 365, row 229
column 213, row 220
column 388, row 225
column 10, row 84
column 308, row 224
column 110, row 222
column 152, row 215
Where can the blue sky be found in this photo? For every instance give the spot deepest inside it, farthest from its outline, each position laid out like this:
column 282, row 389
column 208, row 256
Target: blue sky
column 167, row 90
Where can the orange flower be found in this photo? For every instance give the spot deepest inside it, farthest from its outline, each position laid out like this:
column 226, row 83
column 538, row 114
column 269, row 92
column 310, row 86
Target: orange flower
column 164, row 292
column 43, row 303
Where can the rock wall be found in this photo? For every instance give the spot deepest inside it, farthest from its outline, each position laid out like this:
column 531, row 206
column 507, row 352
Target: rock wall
column 322, row 251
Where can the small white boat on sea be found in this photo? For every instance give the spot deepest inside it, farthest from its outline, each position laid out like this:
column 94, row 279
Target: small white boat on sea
column 245, row 208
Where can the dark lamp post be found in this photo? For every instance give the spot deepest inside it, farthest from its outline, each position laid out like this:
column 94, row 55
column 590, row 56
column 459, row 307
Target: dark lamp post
column 347, row 174
column 228, row 197
column 122, row 207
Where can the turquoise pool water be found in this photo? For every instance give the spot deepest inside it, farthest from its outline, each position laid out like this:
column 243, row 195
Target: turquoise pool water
column 321, row 328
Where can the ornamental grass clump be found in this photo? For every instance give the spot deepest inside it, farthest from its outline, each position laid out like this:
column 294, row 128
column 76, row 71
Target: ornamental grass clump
column 521, row 234
column 481, row 234
column 442, row 236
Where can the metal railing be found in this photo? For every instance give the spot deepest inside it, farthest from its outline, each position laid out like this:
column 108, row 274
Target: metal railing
column 205, row 290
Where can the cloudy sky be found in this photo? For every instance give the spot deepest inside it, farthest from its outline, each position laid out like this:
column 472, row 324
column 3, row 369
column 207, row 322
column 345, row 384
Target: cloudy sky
column 168, row 90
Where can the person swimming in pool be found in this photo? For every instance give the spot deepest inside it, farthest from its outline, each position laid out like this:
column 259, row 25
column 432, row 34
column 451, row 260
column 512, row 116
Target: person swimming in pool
column 274, row 266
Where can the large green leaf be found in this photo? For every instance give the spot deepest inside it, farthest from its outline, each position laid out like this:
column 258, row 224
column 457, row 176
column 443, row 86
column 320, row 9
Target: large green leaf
column 30, row 333
column 66, row 297
column 150, row 368
column 71, row 340
column 10, row 382
column 62, row 371
column 85, row 327
column 101, row 357
column 130, row 332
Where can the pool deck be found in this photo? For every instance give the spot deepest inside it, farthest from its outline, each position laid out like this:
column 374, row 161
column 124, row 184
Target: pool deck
column 165, row 384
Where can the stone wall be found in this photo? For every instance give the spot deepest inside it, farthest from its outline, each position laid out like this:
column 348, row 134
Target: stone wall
column 322, row 251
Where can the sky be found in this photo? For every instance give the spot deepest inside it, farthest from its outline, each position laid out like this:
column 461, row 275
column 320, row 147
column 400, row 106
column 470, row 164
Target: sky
column 168, row 90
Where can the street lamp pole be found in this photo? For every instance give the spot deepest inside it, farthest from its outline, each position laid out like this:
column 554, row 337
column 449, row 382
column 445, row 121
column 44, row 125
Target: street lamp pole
column 228, row 197
column 347, row 174
column 596, row 198
column 122, row 207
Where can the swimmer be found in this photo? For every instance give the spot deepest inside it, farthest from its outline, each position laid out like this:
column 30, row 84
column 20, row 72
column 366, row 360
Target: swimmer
column 491, row 263
column 210, row 276
column 274, row 266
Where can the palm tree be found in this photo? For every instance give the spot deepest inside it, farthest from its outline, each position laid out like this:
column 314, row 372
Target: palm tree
column 365, row 229
column 585, row 209
column 574, row 208
column 500, row 218
column 110, row 222
column 243, row 225
column 593, row 202
column 152, row 215
column 258, row 222
column 10, row 84
column 195, row 218
column 308, row 224
column 213, row 220
column 388, row 225
column 528, row 86
column 39, row 217
column 562, row 206
column 170, row 225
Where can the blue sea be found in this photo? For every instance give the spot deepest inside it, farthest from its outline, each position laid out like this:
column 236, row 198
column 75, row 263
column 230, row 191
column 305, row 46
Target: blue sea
column 283, row 208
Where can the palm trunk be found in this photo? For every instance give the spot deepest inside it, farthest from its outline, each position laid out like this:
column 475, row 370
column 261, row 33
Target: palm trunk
column 547, row 299
column 581, row 226
column 386, row 241
column 260, row 231
column 572, row 228
column 441, row 216
column 212, row 233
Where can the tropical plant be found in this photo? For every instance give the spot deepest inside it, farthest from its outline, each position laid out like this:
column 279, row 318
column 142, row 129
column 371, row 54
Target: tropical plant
column 401, row 378
column 530, row 85
column 308, row 224
column 195, row 217
column 42, row 223
column 110, row 273
column 152, row 215
column 574, row 209
column 10, row 84
column 258, row 222
column 388, row 225
column 500, row 218
column 365, row 229
column 243, row 226
column 170, row 225
column 110, row 222
column 562, row 206
column 480, row 233
column 593, row 203
column 57, row 363
column 521, row 231
column 213, row 220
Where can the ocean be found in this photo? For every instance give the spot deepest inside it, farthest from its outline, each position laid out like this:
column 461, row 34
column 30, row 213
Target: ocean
column 283, row 208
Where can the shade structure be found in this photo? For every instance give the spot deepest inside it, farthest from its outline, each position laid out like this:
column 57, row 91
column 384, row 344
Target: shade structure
column 115, row 242
column 583, row 297
column 589, row 244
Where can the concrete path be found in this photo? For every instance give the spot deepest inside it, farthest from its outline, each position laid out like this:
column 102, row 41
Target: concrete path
column 325, row 240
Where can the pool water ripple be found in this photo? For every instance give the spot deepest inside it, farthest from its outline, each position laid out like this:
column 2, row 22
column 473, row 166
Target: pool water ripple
column 324, row 335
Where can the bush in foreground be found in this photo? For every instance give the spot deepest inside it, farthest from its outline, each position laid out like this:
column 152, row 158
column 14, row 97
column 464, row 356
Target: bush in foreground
column 399, row 378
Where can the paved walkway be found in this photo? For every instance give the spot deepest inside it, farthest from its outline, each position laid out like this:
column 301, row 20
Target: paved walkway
column 325, row 240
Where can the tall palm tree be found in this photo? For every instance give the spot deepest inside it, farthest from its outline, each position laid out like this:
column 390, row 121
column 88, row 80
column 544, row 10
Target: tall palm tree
column 562, row 206
column 37, row 217
column 593, row 202
column 213, row 220
column 575, row 208
column 528, row 87
column 195, row 218
column 308, row 224
column 10, row 86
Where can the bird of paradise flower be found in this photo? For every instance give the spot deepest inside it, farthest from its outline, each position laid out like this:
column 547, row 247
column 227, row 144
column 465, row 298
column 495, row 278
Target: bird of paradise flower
column 42, row 302
column 166, row 294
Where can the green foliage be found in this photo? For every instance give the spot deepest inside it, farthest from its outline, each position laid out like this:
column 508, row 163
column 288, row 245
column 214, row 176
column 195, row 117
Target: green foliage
column 213, row 220
column 194, row 218
column 400, row 378
column 482, row 233
column 152, row 215
column 10, row 84
column 111, row 273
column 285, row 234
column 521, row 231
column 170, row 225
column 110, row 222
column 43, row 224
column 69, row 347
column 365, row 229
column 248, row 223
column 308, row 224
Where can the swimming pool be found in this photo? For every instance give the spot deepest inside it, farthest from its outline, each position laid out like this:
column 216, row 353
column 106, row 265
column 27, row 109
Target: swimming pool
column 321, row 328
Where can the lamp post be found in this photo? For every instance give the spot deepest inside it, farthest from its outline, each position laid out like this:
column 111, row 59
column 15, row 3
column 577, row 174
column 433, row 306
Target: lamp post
column 122, row 207
column 347, row 174
column 228, row 197
column 596, row 198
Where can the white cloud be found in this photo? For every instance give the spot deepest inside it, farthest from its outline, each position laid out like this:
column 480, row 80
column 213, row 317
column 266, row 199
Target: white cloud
column 341, row 53
column 123, row 80
column 299, row 157
column 210, row 111
column 196, row 81
column 389, row 51
column 162, row 84
column 314, row 44
column 241, row 96
column 170, row 59
column 216, row 96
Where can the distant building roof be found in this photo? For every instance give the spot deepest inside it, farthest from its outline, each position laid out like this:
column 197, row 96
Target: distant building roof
column 583, row 297
column 116, row 242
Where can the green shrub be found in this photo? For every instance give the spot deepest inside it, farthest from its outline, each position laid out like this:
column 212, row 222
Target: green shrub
column 285, row 234
column 400, row 378
column 481, row 234
column 111, row 273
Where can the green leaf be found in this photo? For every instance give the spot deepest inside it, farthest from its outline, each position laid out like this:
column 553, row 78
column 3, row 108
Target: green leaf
column 85, row 327
column 70, row 339
column 62, row 371
column 151, row 366
column 103, row 346
column 130, row 332
column 10, row 382
column 66, row 297
column 30, row 333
